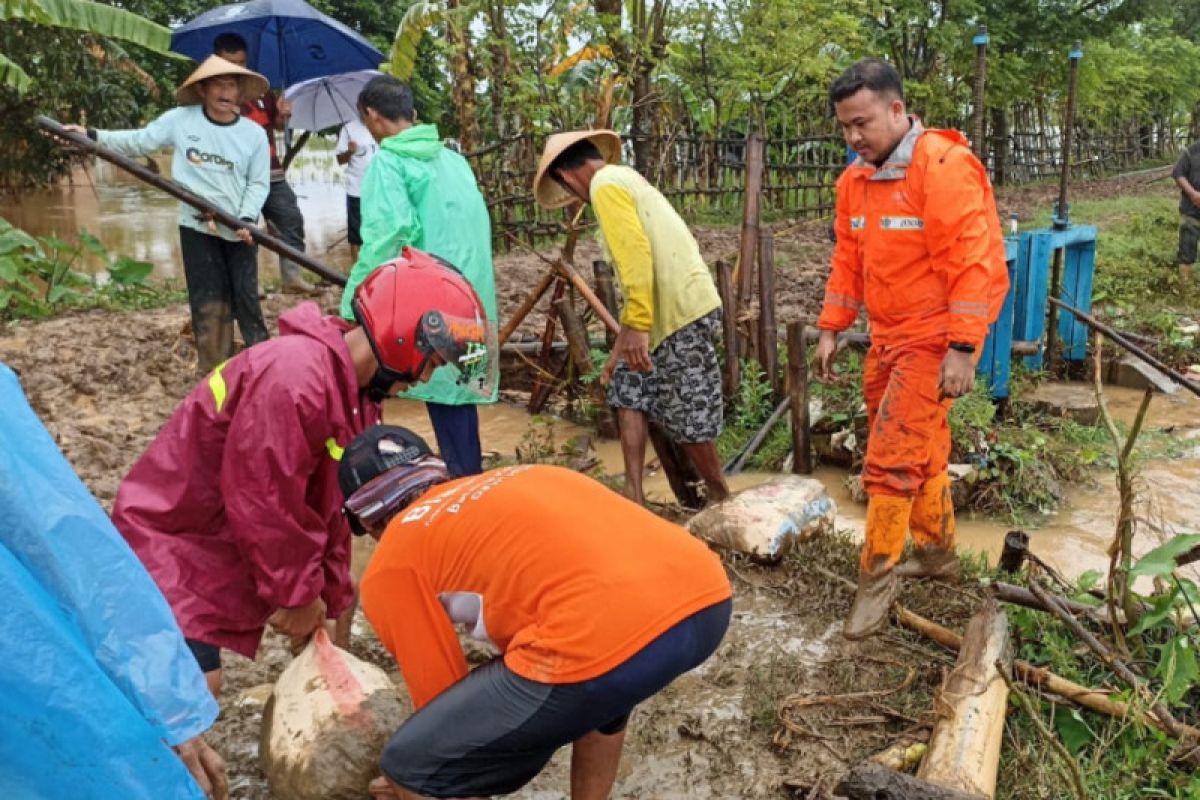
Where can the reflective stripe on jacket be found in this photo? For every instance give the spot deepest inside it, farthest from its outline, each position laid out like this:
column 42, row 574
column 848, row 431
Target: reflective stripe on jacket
column 918, row 243
column 235, row 508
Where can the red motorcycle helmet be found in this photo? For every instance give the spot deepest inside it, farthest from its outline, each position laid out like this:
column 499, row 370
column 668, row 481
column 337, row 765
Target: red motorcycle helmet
column 418, row 309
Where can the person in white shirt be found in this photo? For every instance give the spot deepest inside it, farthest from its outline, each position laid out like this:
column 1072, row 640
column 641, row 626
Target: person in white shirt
column 355, row 148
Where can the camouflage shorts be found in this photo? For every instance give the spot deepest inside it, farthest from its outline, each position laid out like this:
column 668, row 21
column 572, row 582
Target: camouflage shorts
column 683, row 390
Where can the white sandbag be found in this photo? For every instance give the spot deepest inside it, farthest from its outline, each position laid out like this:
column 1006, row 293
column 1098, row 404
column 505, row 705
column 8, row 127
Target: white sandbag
column 326, row 724
column 766, row 520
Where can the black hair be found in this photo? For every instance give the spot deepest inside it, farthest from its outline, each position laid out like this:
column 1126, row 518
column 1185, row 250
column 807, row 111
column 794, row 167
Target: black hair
column 870, row 73
column 230, row 42
column 389, row 96
column 575, row 157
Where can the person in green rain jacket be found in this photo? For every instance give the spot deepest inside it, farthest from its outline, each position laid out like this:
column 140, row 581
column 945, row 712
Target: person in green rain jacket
column 418, row 193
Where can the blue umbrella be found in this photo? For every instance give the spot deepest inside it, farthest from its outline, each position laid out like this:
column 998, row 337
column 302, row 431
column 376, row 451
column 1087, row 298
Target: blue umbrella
column 287, row 41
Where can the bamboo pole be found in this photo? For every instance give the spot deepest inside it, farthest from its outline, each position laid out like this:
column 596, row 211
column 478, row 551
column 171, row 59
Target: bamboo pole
column 797, row 388
column 1120, row 339
column 750, row 217
column 736, row 464
column 729, row 311
column 606, row 290
column 194, row 200
column 577, row 338
column 526, row 306
column 1039, row 677
column 768, row 348
column 681, row 473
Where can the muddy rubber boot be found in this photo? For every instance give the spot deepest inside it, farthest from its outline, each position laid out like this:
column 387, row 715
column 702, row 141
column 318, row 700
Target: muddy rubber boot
column 872, row 601
column 933, row 531
column 930, row 562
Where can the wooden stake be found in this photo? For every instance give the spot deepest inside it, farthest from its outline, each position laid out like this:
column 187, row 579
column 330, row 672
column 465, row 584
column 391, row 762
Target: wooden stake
column 526, row 306
column 606, row 290
column 964, row 748
column 797, row 388
column 542, row 389
column 768, row 337
column 577, row 338
column 750, row 217
column 729, row 311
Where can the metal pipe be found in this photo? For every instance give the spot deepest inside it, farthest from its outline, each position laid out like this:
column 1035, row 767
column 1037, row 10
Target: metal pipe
column 1062, row 215
column 194, row 200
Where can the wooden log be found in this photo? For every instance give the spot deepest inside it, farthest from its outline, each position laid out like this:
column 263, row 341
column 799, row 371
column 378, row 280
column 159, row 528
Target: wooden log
column 750, row 217
column 580, row 285
column 1039, row 677
column 871, row 781
column 1019, row 595
column 542, row 388
column 577, row 338
column 606, row 290
column 964, row 748
column 797, row 389
column 681, row 473
column 768, row 349
column 526, row 306
column 733, row 350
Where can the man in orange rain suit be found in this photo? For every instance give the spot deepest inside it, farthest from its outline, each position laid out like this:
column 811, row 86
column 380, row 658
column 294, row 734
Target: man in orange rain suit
column 594, row 603
column 919, row 244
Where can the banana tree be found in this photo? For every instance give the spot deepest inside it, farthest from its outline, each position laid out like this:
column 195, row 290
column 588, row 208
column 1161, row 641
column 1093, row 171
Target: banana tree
column 456, row 16
column 79, row 15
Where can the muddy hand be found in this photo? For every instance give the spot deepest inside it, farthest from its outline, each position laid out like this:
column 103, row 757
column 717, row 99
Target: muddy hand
column 957, row 376
column 206, row 766
column 299, row 623
column 827, row 350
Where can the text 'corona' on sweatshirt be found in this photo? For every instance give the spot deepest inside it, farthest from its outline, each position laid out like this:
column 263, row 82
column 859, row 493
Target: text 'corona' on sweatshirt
column 228, row 164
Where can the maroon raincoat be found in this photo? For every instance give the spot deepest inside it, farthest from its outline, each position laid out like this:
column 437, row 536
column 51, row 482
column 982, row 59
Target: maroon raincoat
column 235, row 508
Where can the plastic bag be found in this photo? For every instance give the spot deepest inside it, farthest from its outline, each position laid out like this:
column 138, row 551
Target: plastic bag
column 326, row 724
column 766, row 520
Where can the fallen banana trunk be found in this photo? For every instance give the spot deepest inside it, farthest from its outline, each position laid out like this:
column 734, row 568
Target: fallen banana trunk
column 1040, row 677
column 964, row 749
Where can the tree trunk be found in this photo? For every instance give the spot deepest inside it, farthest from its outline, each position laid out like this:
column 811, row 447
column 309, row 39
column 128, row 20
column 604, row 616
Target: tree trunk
column 459, row 36
column 497, row 85
column 636, row 55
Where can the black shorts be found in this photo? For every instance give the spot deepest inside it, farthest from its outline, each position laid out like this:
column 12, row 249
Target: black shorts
column 208, row 656
column 354, row 219
column 494, row 731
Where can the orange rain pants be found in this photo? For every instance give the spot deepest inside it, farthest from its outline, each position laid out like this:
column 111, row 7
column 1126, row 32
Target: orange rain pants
column 908, row 451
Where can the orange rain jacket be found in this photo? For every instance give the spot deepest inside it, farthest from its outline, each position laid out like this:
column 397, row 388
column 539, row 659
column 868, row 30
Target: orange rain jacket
column 919, row 241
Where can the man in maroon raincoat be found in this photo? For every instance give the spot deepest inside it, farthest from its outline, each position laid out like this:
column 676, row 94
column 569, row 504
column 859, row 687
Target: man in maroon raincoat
column 235, row 507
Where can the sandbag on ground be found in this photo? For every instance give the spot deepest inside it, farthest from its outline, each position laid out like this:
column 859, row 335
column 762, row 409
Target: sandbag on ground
column 326, row 724
column 766, row 520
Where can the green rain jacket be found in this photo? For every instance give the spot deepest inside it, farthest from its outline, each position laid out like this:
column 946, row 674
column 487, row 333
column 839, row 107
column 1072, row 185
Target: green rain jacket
column 418, row 193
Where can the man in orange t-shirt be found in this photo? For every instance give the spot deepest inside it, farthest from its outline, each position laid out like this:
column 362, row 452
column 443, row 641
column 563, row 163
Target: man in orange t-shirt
column 594, row 603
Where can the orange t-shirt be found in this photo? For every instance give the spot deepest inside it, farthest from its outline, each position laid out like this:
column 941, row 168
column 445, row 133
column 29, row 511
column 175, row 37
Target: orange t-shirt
column 567, row 578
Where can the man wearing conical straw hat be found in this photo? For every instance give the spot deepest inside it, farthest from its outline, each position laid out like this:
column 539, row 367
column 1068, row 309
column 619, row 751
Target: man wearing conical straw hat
column 663, row 365
column 224, row 159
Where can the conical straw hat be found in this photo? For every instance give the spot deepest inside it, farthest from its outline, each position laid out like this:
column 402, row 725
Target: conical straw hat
column 546, row 190
column 253, row 85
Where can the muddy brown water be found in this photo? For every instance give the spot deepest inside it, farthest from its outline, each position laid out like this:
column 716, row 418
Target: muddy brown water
column 134, row 219
column 1073, row 540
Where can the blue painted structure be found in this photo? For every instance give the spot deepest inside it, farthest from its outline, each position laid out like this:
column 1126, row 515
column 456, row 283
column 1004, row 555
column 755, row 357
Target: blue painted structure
column 1023, row 316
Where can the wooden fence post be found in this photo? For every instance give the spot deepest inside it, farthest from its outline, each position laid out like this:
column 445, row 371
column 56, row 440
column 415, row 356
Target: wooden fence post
column 768, row 337
column 733, row 370
column 606, row 290
column 750, row 216
column 798, row 395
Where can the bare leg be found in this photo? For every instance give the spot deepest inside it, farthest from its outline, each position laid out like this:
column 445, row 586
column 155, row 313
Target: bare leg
column 213, row 679
column 634, row 430
column 708, row 463
column 594, row 761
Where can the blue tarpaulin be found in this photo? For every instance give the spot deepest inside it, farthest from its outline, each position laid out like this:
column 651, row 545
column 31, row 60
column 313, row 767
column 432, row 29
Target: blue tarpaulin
column 96, row 681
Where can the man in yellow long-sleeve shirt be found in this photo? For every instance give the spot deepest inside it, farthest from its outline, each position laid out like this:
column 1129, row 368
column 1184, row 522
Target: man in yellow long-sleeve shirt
column 663, row 364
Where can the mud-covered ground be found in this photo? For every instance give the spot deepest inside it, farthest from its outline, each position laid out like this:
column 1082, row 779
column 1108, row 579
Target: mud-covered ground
column 105, row 382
